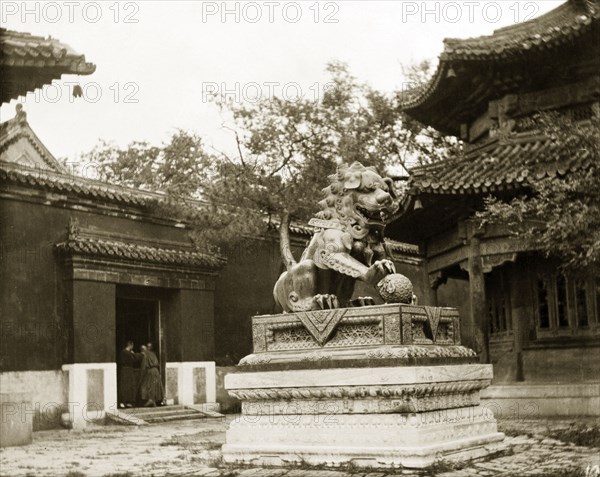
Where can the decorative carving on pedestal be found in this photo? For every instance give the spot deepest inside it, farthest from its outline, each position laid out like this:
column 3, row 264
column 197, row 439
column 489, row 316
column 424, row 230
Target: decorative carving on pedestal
column 375, row 329
column 392, row 330
column 365, row 399
column 421, row 352
column 321, row 324
column 259, row 338
column 373, row 416
column 433, row 317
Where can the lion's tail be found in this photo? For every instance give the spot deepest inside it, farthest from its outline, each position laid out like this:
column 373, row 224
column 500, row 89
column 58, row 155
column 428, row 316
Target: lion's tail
column 284, row 242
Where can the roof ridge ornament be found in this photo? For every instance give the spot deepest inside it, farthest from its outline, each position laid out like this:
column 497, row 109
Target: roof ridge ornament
column 21, row 115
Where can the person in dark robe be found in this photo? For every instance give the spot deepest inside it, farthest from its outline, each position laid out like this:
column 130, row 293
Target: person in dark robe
column 127, row 377
column 151, row 387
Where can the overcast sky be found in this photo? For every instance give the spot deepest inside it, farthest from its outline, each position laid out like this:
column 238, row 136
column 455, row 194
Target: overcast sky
column 157, row 60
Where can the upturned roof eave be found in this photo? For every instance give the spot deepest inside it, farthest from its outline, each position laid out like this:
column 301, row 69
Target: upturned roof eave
column 461, row 53
column 29, row 62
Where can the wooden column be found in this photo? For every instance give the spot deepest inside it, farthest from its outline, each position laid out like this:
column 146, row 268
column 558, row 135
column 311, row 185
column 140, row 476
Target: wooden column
column 521, row 300
column 478, row 320
column 429, row 288
column 432, row 292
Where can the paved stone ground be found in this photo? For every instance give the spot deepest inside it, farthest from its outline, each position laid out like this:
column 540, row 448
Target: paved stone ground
column 535, row 448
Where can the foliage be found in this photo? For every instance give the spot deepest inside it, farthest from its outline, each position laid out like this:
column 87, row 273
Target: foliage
column 578, row 433
column 284, row 152
column 561, row 214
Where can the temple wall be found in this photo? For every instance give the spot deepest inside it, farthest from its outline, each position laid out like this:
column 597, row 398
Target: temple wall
column 244, row 289
column 35, row 333
column 47, row 391
column 93, row 322
column 196, row 339
column 561, row 364
column 48, row 320
column 526, row 400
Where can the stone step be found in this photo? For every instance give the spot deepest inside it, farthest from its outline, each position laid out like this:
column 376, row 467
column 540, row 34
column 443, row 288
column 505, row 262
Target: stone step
column 140, row 411
column 123, row 418
column 148, row 415
column 208, row 411
column 180, row 416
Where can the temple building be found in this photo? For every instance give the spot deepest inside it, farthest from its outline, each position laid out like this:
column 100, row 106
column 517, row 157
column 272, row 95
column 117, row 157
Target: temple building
column 538, row 326
column 86, row 266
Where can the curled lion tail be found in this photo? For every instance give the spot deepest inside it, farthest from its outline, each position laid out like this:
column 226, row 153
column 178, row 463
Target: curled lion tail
column 284, row 242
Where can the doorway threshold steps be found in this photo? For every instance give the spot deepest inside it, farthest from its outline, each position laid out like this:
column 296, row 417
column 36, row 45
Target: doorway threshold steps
column 139, row 416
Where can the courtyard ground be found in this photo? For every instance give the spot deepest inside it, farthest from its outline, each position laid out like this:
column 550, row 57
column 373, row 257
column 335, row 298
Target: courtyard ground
column 549, row 448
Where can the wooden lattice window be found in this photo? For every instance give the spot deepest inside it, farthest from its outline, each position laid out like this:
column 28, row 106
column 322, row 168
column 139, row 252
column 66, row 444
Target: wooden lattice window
column 581, row 304
column 498, row 303
column 566, row 305
column 561, row 301
column 543, row 303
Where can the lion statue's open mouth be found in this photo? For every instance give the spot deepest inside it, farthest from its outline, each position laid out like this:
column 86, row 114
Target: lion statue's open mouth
column 378, row 216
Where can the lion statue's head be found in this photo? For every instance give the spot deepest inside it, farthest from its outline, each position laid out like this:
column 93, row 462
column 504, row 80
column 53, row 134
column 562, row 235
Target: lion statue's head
column 359, row 199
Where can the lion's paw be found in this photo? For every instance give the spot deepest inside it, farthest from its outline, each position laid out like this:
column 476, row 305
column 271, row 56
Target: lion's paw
column 326, row 302
column 378, row 270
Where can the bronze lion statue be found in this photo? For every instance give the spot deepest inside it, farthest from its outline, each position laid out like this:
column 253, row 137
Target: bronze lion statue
column 347, row 244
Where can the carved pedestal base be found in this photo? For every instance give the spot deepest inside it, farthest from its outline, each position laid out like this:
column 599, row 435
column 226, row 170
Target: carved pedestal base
column 387, row 416
column 377, row 386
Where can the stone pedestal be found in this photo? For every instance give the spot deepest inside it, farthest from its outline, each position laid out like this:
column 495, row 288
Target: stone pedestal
column 381, row 386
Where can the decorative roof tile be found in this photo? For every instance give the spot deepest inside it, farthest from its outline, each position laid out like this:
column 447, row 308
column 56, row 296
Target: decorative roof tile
column 497, row 166
column 25, row 49
column 301, row 229
column 78, row 186
column 103, row 247
column 402, row 247
column 544, row 32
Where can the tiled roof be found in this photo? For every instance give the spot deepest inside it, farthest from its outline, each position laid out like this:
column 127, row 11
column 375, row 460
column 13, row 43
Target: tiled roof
column 17, row 128
column 95, row 190
column 472, row 71
column 497, row 166
column 567, row 21
column 28, row 62
column 24, row 49
column 402, row 247
column 301, row 229
column 101, row 247
column 77, row 186
column 297, row 228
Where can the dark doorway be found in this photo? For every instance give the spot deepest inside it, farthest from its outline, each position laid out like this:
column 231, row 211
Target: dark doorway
column 138, row 320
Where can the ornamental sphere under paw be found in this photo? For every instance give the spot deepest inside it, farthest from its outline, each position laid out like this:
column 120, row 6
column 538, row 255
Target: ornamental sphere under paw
column 395, row 288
